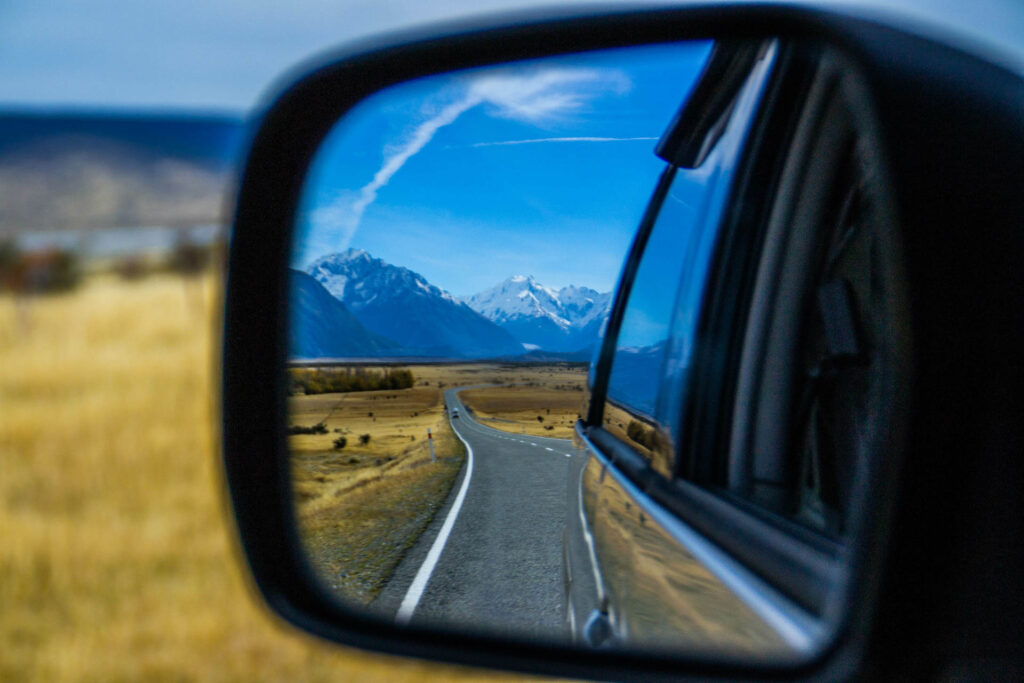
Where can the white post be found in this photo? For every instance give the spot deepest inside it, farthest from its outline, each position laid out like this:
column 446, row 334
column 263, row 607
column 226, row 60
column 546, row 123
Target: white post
column 430, row 439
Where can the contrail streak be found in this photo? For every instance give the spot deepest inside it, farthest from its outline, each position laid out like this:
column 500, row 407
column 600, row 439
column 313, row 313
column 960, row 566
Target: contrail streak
column 538, row 140
column 531, row 97
column 419, row 139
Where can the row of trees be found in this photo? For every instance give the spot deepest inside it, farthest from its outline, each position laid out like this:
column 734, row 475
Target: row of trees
column 57, row 269
column 316, row 381
column 37, row 272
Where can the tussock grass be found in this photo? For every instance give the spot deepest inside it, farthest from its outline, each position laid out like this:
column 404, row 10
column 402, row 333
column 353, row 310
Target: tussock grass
column 362, row 507
column 117, row 560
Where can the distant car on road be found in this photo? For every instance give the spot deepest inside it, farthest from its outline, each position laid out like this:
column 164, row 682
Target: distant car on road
column 455, row 413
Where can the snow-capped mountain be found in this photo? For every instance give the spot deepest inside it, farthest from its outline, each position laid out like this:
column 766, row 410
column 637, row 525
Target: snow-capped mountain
column 321, row 327
column 401, row 305
column 567, row 319
column 520, row 296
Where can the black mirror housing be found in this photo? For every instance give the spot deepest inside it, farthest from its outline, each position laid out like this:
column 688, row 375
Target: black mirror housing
column 958, row 163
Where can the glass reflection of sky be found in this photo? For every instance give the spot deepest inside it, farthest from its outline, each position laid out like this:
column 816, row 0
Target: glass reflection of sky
column 662, row 313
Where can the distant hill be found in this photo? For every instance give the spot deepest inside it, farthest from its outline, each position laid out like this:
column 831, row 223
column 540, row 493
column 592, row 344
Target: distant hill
column 564, row 320
column 114, row 170
column 321, row 327
column 401, row 305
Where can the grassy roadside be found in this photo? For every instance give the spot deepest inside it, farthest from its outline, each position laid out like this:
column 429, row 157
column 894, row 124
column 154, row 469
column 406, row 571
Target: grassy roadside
column 117, row 560
column 361, row 507
column 364, row 484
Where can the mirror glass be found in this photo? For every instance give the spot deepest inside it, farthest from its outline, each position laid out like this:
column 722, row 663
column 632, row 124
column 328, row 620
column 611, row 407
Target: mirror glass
column 457, row 249
column 458, row 243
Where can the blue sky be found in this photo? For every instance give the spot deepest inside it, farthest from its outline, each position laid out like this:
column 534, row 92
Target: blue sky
column 540, row 168
column 225, row 54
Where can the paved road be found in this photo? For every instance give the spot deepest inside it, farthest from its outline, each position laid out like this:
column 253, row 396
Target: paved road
column 492, row 557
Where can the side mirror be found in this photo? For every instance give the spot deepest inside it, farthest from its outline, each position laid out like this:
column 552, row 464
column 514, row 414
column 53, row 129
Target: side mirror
column 693, row 445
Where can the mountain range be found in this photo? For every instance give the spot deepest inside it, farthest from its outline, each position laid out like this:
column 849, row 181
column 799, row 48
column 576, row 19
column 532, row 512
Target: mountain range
column 113, row 170
column 396, row 303
column 321, row 326
column 567, row 319
column 350, row 304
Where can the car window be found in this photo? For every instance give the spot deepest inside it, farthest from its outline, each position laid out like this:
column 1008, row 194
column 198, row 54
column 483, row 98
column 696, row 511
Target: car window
column 646, row 388
column 824, row 332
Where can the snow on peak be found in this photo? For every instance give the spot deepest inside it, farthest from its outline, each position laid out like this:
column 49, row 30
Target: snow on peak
column 357, row 278
column 521, row 296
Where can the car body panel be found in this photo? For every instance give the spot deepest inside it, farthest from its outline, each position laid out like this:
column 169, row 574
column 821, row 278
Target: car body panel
column 659, row 592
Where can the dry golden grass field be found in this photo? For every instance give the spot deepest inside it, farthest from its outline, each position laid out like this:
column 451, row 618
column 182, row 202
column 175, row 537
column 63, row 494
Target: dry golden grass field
column 117, row 560
column 362, row 506
column 543, row 401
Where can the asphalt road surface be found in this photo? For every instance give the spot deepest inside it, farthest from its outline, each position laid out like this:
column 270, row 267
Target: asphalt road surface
column 491, row 559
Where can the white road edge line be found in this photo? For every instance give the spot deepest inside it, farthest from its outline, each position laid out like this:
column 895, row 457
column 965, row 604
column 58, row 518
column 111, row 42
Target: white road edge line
column 419, row 584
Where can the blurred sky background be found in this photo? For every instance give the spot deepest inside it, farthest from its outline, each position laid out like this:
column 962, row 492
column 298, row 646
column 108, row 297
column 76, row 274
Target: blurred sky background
column 221, row 55
column 102, row 103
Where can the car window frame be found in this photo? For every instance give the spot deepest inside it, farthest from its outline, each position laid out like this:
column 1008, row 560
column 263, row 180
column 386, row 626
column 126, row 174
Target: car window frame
column 806, row 568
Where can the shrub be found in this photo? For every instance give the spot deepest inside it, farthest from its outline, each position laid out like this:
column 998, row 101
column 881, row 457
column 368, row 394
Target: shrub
column 188, row 258
column 316, row 381
column 639, row 434
column 319, row 428
column 38, row 272
column 364, row 439
column 8, row 253
column 340, row 443
column 131, row 267
column 540, row 418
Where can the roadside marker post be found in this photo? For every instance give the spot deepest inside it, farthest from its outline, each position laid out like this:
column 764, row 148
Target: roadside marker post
column 430, row 440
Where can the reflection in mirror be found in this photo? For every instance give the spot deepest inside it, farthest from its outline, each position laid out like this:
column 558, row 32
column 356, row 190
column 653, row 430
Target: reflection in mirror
column 457, row 249
column 455, row 254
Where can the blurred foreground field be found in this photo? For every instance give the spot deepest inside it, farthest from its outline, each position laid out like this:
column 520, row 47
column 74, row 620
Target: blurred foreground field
column 116, row 558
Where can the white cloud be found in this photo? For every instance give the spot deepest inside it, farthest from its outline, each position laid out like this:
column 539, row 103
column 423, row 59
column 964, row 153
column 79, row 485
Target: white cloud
column 533, row 96
column 538, row 96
